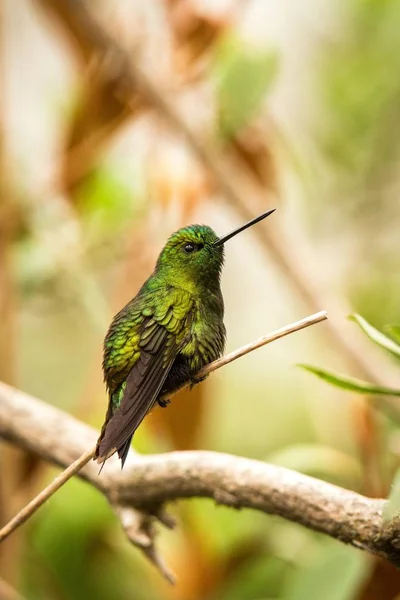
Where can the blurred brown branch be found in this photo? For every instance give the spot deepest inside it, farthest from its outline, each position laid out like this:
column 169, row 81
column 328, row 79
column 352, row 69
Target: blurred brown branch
column 99, row 112
column 139, row 493
column 16, row 476
column 7, row 592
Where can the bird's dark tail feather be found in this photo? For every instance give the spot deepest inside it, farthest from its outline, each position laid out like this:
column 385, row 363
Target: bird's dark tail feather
column 123, row 451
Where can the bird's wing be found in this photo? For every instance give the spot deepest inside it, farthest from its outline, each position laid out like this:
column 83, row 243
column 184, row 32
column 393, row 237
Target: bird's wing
column 160, row 340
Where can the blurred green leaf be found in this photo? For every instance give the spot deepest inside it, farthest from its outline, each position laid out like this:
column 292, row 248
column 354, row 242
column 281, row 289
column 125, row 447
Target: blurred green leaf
column 244, row 76
column 394, row 331
column 337, row 573
column 73, row 537
column 392, row 507
column 225, row 531
column 350, row 383
column 262, row 579
column 293, row 543
column 107, row 204
column 320, row 461
column 376, row 336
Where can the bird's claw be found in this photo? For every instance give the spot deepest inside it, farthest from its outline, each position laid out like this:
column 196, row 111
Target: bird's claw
column 195, row 380
column 164, row 403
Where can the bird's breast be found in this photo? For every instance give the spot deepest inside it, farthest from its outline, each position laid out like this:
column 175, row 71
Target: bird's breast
column 206, row 337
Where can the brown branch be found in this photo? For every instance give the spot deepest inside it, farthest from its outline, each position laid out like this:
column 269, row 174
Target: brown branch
column 14, row 480
column 138, row 493
column 99, row 113
column 7, row 592
column 27, row 511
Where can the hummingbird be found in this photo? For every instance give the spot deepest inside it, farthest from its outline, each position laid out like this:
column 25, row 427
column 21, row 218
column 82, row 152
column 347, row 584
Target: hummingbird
column 166, row 334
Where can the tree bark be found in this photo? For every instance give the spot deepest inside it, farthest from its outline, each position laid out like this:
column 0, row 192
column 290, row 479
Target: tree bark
column 148, row 482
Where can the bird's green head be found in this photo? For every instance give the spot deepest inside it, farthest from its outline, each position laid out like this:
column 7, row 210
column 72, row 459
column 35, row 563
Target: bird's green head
column 193, row 256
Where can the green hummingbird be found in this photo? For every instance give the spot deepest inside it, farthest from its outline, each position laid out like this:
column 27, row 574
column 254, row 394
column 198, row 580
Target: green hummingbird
column 169, row 331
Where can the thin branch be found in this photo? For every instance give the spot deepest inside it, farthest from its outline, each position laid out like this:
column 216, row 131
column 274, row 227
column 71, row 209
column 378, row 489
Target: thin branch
column 28, row 510
column 25, row 513
column 262, row 341
column 150, row 481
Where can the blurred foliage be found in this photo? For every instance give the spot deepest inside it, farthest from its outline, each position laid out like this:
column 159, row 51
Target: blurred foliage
column 351, row 384
column 392, row 507
column 72, row 553
column 356, row 119
column 361, row 94
column 376, row 336
column 336, row 574
column 244, row 76
column 320, row 461
column 394, row 331
column 356, row 385
column 106, row 204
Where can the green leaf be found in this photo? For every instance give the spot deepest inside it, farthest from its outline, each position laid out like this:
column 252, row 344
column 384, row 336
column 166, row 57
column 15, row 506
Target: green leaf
column 337, row 573
column 392, row 507
column 394, row 331
column 376, row 336
column 107, row 204
column 350, row 383
column 243, row 78
column 259, row 579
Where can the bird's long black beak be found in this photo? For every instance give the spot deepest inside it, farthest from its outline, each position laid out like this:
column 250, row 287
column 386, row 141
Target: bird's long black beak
column 230, row 235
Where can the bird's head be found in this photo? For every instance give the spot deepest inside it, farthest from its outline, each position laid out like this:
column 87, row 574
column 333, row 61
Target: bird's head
column 195, row 254
column 191, row 254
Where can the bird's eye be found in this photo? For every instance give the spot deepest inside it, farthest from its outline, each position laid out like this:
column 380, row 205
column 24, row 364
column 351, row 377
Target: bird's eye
column 188, row 248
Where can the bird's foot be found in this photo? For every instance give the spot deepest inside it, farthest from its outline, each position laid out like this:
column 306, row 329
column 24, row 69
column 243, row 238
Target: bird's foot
column 164, row 403
column 195, row 380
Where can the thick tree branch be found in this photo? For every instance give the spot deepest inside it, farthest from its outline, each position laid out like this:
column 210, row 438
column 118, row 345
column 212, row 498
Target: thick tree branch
column 150, row 481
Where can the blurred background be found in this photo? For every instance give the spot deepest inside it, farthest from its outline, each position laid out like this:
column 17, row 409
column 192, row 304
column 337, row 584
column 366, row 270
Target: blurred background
column 123, row 120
